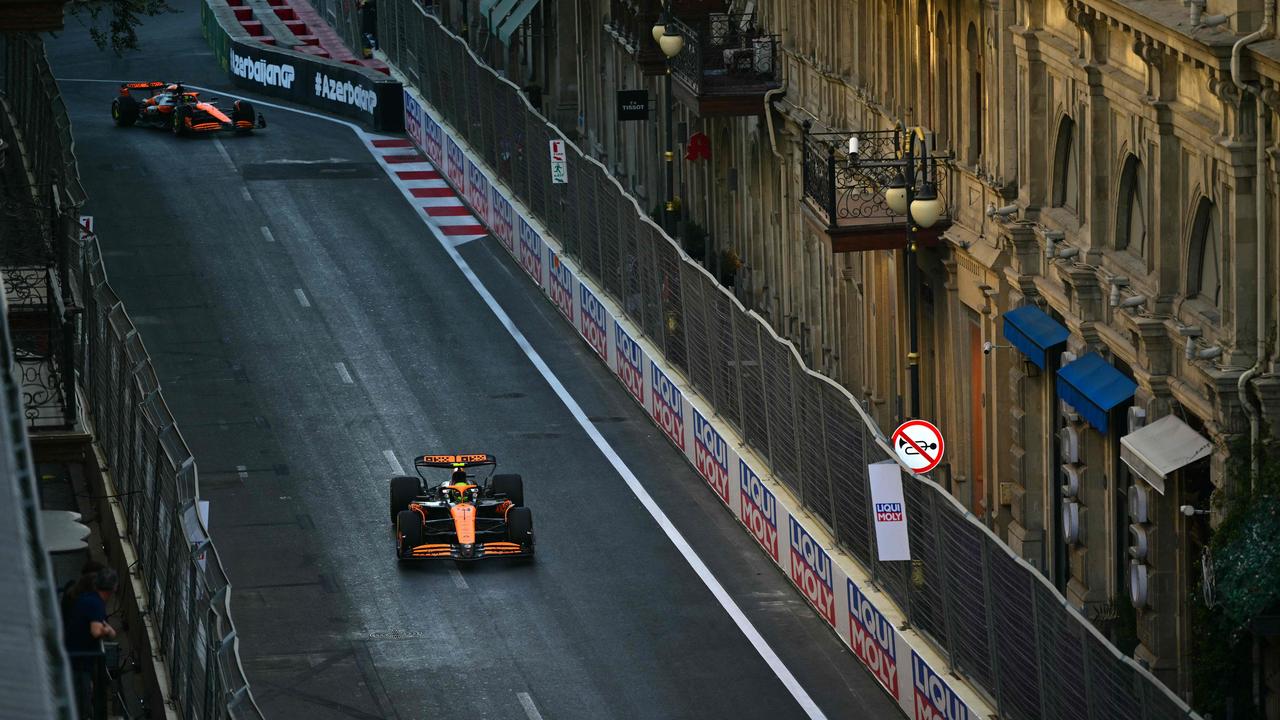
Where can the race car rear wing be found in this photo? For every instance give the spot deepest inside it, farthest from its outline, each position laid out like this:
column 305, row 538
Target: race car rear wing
column 455, row 461
column 153, row 85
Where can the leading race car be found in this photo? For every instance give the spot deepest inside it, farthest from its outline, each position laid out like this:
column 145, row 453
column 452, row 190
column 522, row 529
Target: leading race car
column 459, row 519
column 172, row 106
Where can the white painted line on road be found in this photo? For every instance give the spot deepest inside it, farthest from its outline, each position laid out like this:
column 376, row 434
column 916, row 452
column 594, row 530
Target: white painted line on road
column 243, row 472
column 396, row 468
column 244, row 192
column 458, row 580
column 342, row 373
column 529, row 708
column 302, row 298
column 266, row 234
column 222, row 150
column 459, row 242
column 704, row 573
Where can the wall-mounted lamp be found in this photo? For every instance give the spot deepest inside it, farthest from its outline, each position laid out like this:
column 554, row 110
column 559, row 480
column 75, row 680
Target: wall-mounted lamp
column 1192, row 511
column 1132, row 301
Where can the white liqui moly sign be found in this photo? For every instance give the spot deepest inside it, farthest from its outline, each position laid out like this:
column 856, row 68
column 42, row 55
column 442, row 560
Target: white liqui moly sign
column 890, row 512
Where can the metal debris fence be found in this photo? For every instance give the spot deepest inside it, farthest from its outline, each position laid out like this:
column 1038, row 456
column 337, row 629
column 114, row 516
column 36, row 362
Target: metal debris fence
column 997, row 620
column 150, row 464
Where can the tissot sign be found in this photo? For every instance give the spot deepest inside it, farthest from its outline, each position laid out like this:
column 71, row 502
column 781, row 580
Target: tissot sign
column 633, row 105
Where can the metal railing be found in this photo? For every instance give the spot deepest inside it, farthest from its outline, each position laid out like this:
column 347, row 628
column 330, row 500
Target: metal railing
column 848, row 194
column 153, row 471
column 996, row 619
column 727, row 53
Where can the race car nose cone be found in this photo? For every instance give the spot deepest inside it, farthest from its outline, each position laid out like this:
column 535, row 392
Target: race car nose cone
column 468, row 550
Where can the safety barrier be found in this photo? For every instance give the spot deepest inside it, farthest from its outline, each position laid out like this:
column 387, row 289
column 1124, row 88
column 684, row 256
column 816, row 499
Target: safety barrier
column 708, row 371
column 338, row 88
column 151, row 469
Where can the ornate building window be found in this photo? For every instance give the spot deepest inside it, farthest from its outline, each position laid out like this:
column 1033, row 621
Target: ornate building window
column 1204, row 279
column 976, row 96
column 1066, row 167
column 1131, row 218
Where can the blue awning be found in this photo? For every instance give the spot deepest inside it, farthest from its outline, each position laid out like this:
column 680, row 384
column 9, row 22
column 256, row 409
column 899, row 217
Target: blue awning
column 1032, row 331
column 1094, row 388
column 513, row 21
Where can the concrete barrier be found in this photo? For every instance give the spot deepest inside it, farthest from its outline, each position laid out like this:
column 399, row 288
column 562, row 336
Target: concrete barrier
column 839, row 589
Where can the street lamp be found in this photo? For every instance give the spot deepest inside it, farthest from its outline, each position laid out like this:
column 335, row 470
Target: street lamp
column 671, row 43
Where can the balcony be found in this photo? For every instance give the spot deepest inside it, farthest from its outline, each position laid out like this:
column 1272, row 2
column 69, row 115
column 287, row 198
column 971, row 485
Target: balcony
column 845, row 198
column 728, row 63
column 630, row 23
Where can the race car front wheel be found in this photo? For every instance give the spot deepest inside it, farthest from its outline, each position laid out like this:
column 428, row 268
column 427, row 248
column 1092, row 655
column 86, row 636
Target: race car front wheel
column 409, row 530
column 511, row 486
column 242, row 113
column 404, row 488
column 520, row 526
column 124, row 111
column 180, row 115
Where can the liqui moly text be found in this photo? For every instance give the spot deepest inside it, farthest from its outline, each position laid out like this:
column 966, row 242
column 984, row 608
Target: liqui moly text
column 561, row 285
column 530, row 251
column 666, row 405
column 811, row 571
column 455, row 166
column 758, row 509
column 502, row 219
column 627, row 357
column 434, row 134
column 591, row 319
column 889, row 512
column 873, row 640
column 934, row 699
column 478, row 192
column 413, row 120
column 711, row 456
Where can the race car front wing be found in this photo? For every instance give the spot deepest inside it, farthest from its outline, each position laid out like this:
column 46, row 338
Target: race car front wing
column 457, row 551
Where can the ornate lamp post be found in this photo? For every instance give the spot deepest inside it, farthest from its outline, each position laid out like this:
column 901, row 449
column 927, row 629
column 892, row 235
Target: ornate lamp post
column 671, row 43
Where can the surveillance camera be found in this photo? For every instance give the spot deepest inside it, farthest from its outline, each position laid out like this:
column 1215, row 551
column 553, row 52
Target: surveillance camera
column 1002, row 212
column 986, row 347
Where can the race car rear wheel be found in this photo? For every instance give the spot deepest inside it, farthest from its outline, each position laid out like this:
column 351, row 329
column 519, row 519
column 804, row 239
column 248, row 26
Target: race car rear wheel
column 124, row 111
column 512, row 486
column 409, row 530
column 242, row 110
column 520, row 526
column 404, row 488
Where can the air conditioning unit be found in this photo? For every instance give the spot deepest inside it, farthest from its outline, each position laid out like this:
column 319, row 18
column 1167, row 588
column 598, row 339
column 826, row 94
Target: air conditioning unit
column 1067, row 358
column 1068, row 413
column 1069, row 444
column 1137, row 418
column 1071, row 522
column 1072, row 480
column 1138, row 542
column 1138, row 577
column 1139, row 504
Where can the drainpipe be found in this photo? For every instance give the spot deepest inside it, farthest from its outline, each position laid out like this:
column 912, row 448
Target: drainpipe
column 1264, row 32
column 784, row 191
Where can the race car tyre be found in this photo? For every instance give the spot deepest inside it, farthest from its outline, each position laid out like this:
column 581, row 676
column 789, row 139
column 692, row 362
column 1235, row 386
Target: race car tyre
column 242, row 110
column 512, row 486
column 520, row 526
column 180, row 115
column 409, row 528
column 404, row 488
column 124, row 111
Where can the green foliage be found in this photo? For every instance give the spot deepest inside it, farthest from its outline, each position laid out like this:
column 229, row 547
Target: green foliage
column 113, row 23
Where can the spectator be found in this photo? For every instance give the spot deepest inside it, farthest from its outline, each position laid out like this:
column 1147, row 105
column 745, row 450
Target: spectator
column 79, row 586
column 85, row 627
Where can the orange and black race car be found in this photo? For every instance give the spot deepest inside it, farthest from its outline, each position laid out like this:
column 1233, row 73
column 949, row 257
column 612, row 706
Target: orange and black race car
column 172, row 106
column 459, row 519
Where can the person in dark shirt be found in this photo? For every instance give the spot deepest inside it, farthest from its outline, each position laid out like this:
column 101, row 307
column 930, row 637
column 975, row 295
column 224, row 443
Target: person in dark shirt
column 85, row 627
column 80, row 586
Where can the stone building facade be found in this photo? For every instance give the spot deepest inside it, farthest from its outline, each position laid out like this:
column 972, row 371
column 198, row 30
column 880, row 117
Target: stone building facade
column 1107, row 171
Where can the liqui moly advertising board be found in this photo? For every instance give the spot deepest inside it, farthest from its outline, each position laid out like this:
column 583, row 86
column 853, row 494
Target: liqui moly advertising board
column 560, row 285
column 434, row 134
column 413, row 120
column 934, row 698
column 758, row 509
column 592, row 320
column 874, row 639
column 455, row 165
column 502, row 219
column 628, row 362
column 666, row 405
column 530, row 253
column 478, row 192
column 711, row 456
column 812, row 571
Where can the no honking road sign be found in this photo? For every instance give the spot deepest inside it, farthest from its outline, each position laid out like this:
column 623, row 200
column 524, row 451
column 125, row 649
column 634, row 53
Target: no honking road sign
column 919, row 445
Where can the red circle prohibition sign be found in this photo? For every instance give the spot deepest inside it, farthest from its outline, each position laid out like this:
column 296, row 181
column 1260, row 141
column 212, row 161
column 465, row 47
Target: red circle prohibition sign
column 922, row 452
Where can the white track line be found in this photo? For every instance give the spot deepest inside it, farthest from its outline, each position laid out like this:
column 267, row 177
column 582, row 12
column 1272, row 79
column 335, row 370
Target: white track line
column 222, row 150
column 396, row 468
column 458, row 580
column 244, row 192
column 302, row 298
column 243, row 472
column 266, row 234
column 744, row 624
column 342, row 373
column 530, row 709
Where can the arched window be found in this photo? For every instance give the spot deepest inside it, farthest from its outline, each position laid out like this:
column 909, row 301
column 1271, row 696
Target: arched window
column 941, row 86
column 1204, row 279
column 975, row 94
column 1131, row 218
column 1066, row 167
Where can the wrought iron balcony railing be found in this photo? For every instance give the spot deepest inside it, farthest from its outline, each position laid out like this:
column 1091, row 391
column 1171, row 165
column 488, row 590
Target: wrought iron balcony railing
column 847, row 194
column 727, row 53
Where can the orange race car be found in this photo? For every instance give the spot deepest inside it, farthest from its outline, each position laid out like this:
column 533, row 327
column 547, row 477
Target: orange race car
column 460, row 519
column 172, row 106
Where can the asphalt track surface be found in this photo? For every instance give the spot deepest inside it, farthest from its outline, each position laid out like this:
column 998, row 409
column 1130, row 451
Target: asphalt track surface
column 293, row 407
